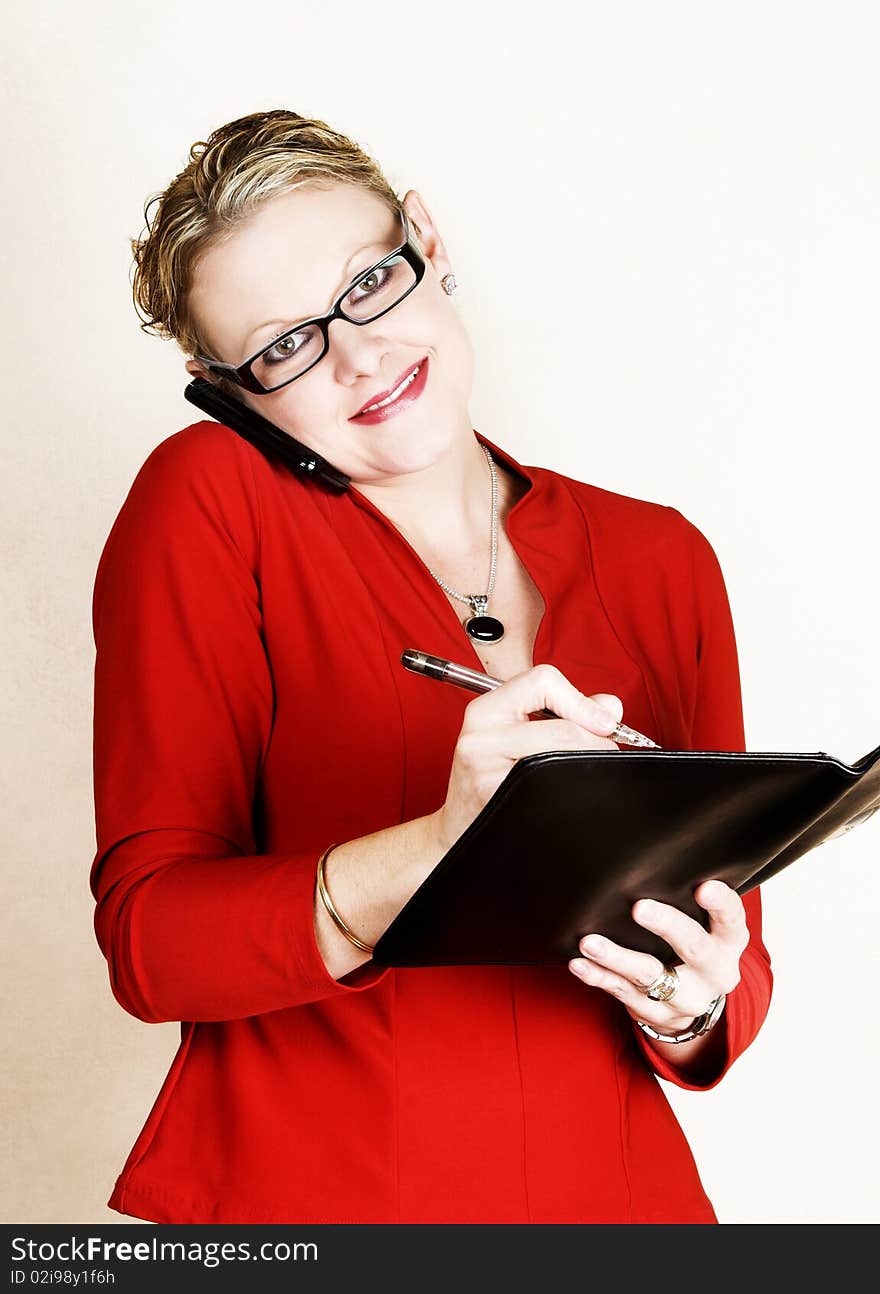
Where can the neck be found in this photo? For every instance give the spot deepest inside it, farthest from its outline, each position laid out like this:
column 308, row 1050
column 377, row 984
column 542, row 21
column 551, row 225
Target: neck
column 447, row 507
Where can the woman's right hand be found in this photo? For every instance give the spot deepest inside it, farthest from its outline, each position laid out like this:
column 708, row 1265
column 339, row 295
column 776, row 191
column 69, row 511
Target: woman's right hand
column 497, row 731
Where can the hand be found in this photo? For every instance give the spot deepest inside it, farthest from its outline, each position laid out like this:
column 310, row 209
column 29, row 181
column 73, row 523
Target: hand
column 497, row 731
column 710, row 959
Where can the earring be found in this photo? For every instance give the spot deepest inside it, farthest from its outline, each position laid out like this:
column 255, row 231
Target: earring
column 448, row 284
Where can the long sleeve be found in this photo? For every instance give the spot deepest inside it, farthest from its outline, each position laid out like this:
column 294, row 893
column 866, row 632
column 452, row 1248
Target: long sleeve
column 717, row 724
column 195, row 924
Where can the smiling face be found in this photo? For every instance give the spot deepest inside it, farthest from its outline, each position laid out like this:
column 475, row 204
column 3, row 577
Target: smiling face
column 288, row 261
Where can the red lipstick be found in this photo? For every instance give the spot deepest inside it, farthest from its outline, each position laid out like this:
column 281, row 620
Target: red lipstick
column 407, row 397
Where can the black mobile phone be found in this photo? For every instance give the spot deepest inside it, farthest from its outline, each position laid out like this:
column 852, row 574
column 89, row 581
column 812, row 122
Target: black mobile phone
column 269, row 439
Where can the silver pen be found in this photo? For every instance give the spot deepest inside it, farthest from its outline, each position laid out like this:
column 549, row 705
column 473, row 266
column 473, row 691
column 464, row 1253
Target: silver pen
column 462, row 676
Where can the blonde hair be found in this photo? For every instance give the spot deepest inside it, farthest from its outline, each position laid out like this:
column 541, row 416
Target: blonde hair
column 239, row 166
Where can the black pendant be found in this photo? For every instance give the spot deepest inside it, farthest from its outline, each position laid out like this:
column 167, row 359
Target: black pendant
column 486, row 629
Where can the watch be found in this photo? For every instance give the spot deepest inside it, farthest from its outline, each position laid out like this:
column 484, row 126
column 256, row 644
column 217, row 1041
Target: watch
column 698, row 1027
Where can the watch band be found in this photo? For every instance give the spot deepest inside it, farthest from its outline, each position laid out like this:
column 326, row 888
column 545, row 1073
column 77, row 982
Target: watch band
column 701, row 1025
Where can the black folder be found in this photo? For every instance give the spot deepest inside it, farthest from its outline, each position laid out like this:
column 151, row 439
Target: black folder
column 571, row 839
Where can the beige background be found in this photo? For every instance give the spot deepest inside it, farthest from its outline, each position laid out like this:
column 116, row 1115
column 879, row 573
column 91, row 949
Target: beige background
column 664, row 219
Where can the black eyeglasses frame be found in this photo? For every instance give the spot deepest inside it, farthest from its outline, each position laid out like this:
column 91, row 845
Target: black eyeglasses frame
column 242, row 374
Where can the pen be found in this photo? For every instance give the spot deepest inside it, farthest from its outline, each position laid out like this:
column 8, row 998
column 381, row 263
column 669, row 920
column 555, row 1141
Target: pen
column 462, row 676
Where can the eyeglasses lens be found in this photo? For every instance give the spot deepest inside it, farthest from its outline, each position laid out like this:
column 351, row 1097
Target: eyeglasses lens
column 294, row 352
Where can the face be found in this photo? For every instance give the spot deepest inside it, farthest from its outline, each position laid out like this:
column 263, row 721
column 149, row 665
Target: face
column 287, row 262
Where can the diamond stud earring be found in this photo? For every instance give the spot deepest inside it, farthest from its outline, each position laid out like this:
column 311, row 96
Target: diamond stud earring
column 448, row 284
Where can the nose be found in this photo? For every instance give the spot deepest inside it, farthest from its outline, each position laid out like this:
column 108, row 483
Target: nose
column 356, row 350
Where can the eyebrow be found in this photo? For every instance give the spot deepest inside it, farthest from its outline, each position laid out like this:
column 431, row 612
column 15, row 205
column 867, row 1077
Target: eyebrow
column 286, row 322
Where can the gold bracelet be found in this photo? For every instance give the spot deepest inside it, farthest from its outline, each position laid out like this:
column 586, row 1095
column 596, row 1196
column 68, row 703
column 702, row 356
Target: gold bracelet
column 328, row 904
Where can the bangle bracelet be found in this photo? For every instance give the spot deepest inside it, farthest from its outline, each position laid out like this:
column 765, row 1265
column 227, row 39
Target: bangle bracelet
column 702, row 1024
column 341, row 925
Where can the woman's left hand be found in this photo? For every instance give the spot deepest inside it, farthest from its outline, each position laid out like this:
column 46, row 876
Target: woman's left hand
column 710, row 958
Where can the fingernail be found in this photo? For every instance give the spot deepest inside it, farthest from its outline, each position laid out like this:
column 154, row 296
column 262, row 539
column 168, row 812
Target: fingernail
column 604, row 716
column 591, row 944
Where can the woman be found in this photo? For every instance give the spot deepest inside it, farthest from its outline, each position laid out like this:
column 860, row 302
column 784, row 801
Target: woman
column 254, row 727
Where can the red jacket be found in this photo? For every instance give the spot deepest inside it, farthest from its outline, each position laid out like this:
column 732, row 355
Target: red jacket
column 249, row 710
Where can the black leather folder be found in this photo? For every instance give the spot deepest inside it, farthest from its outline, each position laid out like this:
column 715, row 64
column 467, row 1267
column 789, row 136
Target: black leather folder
column 571, row 839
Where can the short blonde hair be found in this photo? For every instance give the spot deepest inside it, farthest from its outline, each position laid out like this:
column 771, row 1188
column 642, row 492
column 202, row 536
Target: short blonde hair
column 238, row 167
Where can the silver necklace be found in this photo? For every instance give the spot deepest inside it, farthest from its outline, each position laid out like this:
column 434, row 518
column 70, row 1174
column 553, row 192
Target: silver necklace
column 481, row 626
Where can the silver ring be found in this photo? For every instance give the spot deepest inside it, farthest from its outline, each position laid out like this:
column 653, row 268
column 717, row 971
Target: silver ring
column 663, row 987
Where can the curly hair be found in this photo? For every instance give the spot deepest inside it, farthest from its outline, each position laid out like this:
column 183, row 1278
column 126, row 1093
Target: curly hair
column 239, row 166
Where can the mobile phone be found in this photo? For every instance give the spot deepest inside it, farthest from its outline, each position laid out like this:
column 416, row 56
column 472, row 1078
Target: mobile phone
column 269, row 439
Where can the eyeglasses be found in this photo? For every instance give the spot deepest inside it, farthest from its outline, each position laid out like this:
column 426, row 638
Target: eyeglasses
column 372, row 294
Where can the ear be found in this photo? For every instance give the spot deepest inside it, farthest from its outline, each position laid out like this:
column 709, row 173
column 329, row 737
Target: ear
column 428, row 234
column 195, row 369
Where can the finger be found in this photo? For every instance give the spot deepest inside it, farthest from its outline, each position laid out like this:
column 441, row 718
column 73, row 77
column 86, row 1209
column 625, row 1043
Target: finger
column 609, row 702
column 551, row 734
column 543, row 687
column 662, row 1015
column 727, row 914
column 641, row 969
column 611, row 982
column 685, row 935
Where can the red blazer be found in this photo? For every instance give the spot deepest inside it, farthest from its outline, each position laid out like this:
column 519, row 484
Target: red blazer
column 250, row 709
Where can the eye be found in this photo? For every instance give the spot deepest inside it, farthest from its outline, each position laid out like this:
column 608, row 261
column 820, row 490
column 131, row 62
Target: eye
column 284, row 349
column 372, row 282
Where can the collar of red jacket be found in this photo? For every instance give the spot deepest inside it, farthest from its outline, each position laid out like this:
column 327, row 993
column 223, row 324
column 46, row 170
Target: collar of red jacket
column 507, row 458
